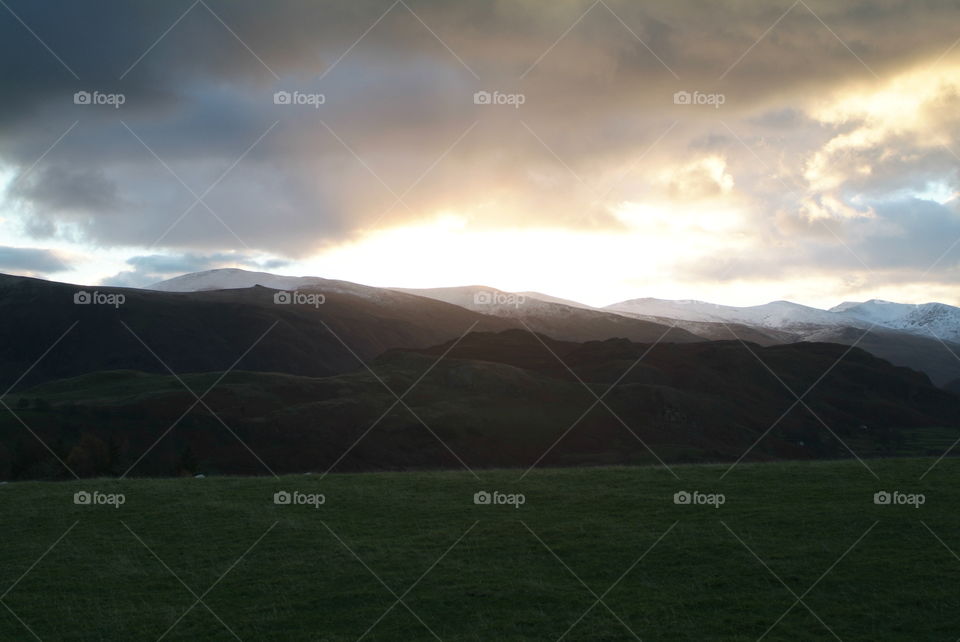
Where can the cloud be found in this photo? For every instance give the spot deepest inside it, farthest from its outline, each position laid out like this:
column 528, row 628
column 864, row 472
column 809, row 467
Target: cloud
column 908, row 240
column 31, row 261
column 66, row 190
column 806, row 133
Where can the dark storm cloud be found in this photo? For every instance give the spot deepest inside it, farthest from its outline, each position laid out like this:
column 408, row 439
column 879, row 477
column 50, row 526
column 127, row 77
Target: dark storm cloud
column 68, row 188
column 595, row 103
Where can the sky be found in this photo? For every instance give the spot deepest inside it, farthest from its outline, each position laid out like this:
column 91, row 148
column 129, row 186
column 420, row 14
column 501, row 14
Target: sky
column 735, row 152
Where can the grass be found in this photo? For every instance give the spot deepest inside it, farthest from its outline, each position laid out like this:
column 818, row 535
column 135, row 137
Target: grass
column 474, row 572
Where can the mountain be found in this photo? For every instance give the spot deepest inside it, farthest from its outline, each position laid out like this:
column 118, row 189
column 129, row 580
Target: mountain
column 899, row 333
column 953, row 386
column 496, row 399
column 207, row 331
column 781, row 315
column 787, row 320
column 236, row 279
column 555, row 299
column 554, row 318
column 560, row 320
column 924, row 354
column 723, row 331
column 232, row 279
column 301, row 400
column 927, row 319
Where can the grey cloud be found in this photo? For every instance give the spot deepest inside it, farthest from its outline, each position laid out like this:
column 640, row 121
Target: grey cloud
column 68, row 189
column 31, row 261
column 905, row 239
column 399, row 100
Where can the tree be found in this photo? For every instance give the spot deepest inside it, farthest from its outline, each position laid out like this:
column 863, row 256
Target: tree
column 90, row 457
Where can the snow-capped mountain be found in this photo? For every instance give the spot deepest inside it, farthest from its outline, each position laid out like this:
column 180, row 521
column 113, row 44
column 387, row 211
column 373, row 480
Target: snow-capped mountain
column 236, row 279
column 936, row 319
column 477, row 298
column 876, row 310
column 540, row 296
column 233, row 279
column 902, row 333
column 557, row 318
column 781, row 315
column 928, row 319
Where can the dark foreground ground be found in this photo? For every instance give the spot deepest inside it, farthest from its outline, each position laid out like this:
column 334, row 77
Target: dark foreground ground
column 797, row 551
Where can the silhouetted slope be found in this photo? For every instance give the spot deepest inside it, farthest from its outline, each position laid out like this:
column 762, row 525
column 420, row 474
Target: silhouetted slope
column 209, row 331
column 497, row 399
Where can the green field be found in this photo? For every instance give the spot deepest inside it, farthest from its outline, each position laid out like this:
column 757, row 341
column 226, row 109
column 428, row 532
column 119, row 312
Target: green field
column 490, row 572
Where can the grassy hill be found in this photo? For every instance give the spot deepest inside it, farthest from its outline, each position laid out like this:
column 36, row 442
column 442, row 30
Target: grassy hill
column 483, row 572
column 496, row 400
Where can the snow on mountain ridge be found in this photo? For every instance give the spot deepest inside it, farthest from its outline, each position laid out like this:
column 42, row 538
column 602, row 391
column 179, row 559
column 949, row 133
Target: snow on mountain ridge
column 777, row 314
column 546, row 298
column 236, row 279
column 232, row 279
column 937, row 319
column 488, row 300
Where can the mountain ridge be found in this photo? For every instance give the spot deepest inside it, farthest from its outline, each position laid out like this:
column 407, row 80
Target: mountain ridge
column 924, row 337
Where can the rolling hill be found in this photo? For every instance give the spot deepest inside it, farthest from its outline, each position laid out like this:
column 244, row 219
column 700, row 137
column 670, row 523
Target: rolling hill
column 495, row 400
column 208, row 331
